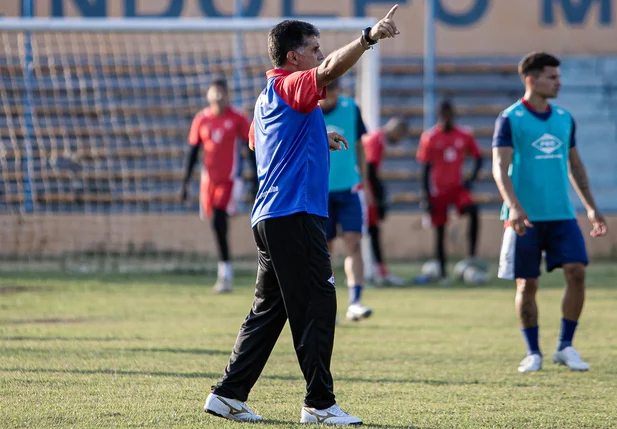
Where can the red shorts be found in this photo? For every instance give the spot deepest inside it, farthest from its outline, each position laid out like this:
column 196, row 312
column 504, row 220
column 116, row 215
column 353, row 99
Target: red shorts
column 459, row 197
column 216, row 196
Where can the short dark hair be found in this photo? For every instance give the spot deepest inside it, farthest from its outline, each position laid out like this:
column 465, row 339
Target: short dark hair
column 534, row 63
column 286, row 36
column 220, row 82
column 446, row 106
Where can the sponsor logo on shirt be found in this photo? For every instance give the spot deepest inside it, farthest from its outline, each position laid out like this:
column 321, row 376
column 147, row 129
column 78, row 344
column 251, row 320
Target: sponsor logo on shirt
column 548, row 144
column 271, row 190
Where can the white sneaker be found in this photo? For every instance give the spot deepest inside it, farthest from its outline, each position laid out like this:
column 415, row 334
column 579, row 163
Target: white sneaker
column 230, row 409
column 330, row 416
column 531, row 363
column 570, row 358
column 222, row 285
column 357, row 311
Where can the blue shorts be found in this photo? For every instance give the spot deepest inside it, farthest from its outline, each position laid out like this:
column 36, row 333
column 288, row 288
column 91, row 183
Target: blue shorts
column 561, row 241
column 344, row 209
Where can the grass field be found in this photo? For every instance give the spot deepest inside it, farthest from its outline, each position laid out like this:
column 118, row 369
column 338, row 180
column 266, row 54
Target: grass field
column 142, row 351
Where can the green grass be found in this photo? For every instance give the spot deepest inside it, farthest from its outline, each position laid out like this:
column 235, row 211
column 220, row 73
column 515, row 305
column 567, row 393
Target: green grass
column 139, row 351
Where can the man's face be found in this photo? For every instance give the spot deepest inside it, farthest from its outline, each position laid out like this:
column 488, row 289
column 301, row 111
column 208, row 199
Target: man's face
column 397, row 133
column 310, row 55
column 217, row 96
column 446, row 115
column 547, row 83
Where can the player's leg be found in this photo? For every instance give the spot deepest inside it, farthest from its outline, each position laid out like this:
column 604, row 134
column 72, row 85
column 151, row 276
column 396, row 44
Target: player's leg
column 466, row 206
column 383, row 276
column 331, row 223
column 566, row 249
column 351, row 221
column 256, row 339
column 221, row 199
column 440, row 249
column 439, row 218
column 375, row 240
column 520, row 260
column 302, row 264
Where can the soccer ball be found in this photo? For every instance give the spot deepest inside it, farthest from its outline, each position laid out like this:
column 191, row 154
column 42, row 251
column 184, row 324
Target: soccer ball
column 462, row 265
column 431, row 269
column 474, row 275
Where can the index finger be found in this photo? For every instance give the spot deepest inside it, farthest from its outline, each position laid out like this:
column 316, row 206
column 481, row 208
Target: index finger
column 391, row 13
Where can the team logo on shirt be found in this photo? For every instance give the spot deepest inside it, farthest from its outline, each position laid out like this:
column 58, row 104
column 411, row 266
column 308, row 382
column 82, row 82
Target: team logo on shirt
column 548, row 144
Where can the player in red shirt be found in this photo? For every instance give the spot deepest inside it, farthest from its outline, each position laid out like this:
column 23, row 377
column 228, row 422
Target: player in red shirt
column 442, row 150
column 374, row 145
column 217, row 129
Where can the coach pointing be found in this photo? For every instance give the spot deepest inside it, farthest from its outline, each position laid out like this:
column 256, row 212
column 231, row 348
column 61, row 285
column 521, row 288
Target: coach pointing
column 294, row 276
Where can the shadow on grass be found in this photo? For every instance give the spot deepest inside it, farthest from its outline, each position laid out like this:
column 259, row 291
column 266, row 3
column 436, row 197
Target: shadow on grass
column 52, row 321
column 68, row 339
column 11, row 289
column 192, row 351
column 430, row 382
column 109, row 371
column 178, row 350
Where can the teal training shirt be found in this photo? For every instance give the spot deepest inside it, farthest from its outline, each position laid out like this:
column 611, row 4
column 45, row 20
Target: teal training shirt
column 343, row 119
column 539, row 169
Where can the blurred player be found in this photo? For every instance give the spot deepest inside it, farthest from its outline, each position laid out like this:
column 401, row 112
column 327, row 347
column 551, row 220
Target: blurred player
column 442, row 150
column 217, row 128
column 374, row 145
column 534, row 154
column 347, row 171
column 294, row 274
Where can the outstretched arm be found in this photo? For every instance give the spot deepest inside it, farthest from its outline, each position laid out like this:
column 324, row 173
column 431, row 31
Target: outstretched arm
column 338, row 62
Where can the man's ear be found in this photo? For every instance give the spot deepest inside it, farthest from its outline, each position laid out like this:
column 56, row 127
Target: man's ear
column 292, row 57
column 529, row 80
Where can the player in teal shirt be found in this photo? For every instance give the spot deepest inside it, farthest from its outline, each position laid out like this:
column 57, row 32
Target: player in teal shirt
column 347, row 172
column 534, row 160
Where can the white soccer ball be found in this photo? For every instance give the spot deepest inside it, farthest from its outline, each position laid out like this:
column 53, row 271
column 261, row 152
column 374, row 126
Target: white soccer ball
column 463, row 264
column 431, row 269
column 475, row 276
column 460, row 268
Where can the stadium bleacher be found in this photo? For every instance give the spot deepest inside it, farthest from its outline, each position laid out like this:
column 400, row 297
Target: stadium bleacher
column 94, row 152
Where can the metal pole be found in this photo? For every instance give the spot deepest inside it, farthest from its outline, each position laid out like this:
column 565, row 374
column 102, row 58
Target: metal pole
column 238, row 68
column 429, row 63
column 28, row 65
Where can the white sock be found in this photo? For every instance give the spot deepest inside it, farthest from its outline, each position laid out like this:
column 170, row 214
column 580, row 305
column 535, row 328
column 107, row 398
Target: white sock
column 225, row 271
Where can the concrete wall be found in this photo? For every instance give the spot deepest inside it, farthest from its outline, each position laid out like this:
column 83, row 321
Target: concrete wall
column 404, row 238
column 465, row 27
